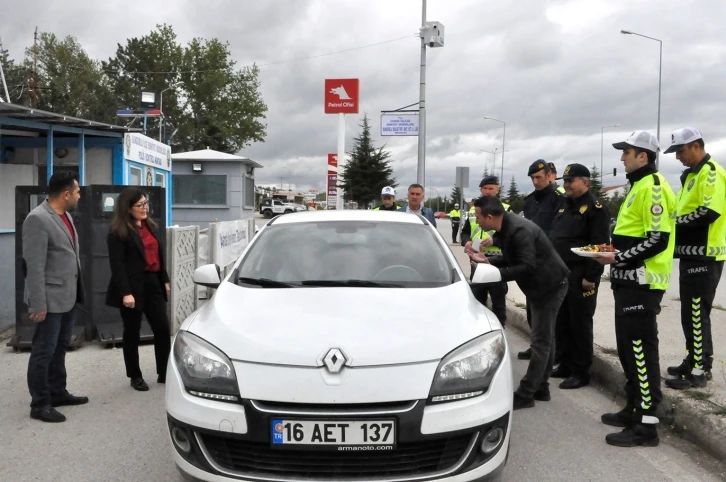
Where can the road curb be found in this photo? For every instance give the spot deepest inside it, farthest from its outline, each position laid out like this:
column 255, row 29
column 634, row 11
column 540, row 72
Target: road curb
column 693, row 419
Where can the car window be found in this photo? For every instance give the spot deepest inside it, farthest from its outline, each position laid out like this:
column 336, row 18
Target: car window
column 396, row 254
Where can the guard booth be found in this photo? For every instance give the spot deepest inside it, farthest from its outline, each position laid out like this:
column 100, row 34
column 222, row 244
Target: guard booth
column 92, row 218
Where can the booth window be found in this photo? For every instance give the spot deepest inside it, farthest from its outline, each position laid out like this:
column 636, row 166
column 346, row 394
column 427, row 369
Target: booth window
column 135, row 175
column 249, row 192
column 208, row 190
column 160, row 179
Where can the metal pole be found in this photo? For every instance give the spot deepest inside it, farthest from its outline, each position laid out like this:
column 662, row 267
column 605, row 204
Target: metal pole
column 5, row 86
column 602, row 130
column 341, row 155
column 504, row 135
column 420, row 174
column 660, row 71
column 161, row 109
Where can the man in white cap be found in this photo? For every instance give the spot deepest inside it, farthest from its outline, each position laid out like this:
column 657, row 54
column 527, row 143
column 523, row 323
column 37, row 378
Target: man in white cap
column 701, row 247
column 388, row 197
column 644, row 237
column 455, row 216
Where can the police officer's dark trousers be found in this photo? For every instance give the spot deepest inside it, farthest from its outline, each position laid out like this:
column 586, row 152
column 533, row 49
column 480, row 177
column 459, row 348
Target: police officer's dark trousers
column 573, row 333
column 698, row 283
column 636, row 333
column 454, row 230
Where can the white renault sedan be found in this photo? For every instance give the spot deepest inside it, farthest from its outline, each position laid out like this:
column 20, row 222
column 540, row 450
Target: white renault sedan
column 343, row 346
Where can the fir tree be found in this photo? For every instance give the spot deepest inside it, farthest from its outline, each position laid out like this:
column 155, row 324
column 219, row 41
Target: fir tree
column 367, row 171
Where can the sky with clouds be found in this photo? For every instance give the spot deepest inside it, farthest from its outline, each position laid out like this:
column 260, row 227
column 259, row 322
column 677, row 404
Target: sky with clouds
column 556, row 71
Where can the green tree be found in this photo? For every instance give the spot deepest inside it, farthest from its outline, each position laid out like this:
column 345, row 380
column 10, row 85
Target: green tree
column 68, row 80
column 596, row 184
column 513, row 192
column 455, row 198
column 16, row 77
column 367, row 171
column 212, row 102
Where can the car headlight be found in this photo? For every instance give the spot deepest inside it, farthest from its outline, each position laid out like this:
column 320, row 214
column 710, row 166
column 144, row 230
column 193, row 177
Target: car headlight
column 468, row 371
column 205, row 371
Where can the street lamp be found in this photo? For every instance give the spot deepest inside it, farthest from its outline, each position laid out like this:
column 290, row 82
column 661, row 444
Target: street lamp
column 438, row 196
column 602, row 134
column 161, row 109
column 494, row 157
column 660, row 72
column 504, row 135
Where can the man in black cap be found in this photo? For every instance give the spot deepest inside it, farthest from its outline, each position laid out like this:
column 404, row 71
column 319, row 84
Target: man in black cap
column 540, row 207
column 474, row 239
column 580, row 221
column 553, row 178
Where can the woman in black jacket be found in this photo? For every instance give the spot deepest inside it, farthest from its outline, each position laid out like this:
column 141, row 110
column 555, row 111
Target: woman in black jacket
column 139, row 282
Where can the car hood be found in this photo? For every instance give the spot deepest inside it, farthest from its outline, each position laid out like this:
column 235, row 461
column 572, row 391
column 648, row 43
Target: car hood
column 372, row 326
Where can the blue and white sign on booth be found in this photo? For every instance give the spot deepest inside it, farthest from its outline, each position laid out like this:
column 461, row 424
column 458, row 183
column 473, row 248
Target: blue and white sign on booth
column 147, row 162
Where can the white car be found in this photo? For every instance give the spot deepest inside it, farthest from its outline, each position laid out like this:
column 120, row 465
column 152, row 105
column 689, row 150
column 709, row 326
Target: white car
column 338, row 349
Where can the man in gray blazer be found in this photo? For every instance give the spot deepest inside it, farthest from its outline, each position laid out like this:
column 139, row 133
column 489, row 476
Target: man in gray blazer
column 415, row 203
column 52, row 289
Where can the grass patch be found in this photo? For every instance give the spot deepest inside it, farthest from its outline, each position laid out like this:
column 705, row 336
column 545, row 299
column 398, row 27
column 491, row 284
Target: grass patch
column 521, row 305
column 696, row 395
column 718, row 307
column 610, row 351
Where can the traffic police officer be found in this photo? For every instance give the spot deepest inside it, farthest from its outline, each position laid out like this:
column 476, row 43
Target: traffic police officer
column 455, row 216
column 701, row 247
column 489, row 245
column 540, row 207
column 388, row 197
column 580, row 221
column 645, row 238
column 553, row 178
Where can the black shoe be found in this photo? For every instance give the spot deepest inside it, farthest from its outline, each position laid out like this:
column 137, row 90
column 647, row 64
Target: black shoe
column 522, row 402
column 47, row 414
column 574, row 381
column 525, row 355
column 139, row 384
column 69, row 400
column 560, row 372
column 640, row 434
column 680, row 371
column 623, row 418
column 542, row 395
column 686, row 382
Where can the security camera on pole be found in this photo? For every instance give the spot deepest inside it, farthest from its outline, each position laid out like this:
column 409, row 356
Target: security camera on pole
column 341, row 97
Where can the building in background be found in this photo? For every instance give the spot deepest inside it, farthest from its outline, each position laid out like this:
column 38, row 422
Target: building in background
column 209, row 185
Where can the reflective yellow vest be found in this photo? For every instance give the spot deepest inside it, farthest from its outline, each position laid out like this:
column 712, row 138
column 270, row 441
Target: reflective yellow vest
column 705, row 188
column 455, row 213
column 378, row 208
column 477, row 233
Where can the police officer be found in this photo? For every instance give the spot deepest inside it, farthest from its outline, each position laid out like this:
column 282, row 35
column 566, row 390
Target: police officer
column 388, row 198
column 553, row 178
column 701, row 247
column 489, row 245
column 540, row 207
column 580, row 221
column 645, row 238
column 455, row 216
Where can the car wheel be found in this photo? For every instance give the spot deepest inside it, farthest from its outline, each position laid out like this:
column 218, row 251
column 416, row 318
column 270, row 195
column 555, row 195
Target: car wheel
column 267, row 213
column 287, row 211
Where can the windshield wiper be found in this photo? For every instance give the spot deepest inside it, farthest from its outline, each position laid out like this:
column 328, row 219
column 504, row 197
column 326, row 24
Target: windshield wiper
column 349, row 282
column 267, row 283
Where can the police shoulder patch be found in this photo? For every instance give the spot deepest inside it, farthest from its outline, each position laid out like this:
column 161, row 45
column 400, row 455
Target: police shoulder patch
column 656, row 209
column 598, row 205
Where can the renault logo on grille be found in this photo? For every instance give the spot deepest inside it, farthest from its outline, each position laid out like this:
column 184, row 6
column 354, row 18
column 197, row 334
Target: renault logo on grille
column 334, row 360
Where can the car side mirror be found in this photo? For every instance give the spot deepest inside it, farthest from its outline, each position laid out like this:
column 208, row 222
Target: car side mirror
column 208, row 275
column 486, row 273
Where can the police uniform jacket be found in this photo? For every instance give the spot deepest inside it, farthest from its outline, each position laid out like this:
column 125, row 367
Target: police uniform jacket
column 579, row 222
column 541, row 206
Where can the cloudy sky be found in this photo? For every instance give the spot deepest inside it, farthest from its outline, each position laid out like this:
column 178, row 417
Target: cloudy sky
column 556, row 71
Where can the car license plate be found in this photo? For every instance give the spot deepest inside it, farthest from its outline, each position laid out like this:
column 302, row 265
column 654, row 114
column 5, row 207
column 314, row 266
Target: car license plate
column 333, row 433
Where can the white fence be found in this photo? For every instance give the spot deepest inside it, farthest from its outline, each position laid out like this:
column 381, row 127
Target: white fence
column 188, row 248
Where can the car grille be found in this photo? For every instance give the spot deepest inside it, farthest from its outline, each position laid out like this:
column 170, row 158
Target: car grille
column 257, row 459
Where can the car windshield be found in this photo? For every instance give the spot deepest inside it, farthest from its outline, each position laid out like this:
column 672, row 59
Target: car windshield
column 346, row 253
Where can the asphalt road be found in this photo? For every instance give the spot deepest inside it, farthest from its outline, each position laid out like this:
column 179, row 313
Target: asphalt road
column 121, row 435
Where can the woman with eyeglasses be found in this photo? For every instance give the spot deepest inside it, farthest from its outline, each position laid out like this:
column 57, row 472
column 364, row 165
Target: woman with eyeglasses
column 139, row 282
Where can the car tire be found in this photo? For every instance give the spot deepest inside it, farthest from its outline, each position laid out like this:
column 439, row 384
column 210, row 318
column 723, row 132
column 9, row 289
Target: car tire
column 267, row 213
column 287, row 211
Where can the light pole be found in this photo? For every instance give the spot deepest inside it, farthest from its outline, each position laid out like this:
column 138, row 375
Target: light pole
column 494, row 158
column 438, row 196
column 504, row 135
column 660, row 72
column 161, row 109
column 602, row 134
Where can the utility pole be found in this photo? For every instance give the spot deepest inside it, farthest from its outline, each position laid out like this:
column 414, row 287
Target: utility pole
column 33, row 83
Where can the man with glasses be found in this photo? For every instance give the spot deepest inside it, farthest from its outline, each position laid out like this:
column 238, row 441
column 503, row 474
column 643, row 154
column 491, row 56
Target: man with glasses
column 388, row 198
column 581, row 220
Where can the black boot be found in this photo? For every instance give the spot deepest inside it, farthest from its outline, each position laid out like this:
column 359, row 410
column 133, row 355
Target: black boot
column 525, row 355
column 686, row 382
column 623, row 418
column 639, row 434
column 575, row 381
column 522, row 402
column 560, row 372
column 684, row 369
column 47, row 414
column 542, row 394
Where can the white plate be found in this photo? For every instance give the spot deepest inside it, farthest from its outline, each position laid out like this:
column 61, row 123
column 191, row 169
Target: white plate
column 589, row 254
column 333, row 432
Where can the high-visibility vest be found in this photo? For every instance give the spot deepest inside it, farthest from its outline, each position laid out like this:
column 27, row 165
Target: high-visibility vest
column 477, row 233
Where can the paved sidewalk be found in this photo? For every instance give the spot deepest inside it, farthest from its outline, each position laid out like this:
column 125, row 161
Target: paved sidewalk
column 697, row 414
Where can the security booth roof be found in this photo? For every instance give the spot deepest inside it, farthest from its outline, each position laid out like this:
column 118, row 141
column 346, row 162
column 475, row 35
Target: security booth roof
column 212, row 155
column 23, row 113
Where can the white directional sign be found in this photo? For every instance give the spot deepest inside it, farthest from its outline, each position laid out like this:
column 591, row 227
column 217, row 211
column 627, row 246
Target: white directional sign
column 399, row 124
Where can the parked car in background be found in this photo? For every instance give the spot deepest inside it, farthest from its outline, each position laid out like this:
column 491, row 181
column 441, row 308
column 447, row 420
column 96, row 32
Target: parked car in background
column 273, row 207
column 440, row 215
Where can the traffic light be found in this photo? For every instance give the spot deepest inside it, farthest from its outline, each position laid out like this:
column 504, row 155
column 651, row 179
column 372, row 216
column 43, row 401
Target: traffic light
column 615, row 171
